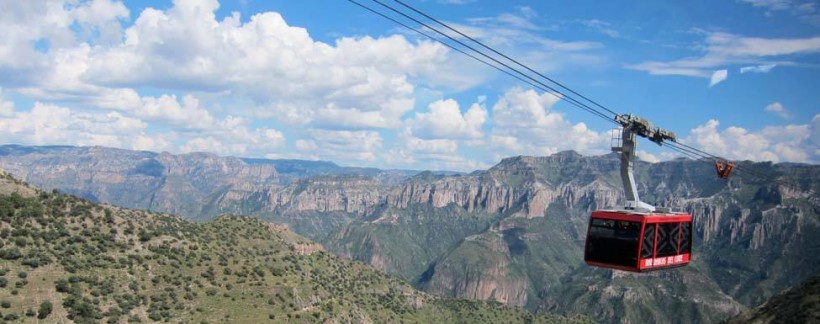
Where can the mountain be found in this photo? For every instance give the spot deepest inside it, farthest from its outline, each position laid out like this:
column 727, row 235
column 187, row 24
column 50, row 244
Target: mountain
column 800, row 304
column 65, row 258
column 513, row 233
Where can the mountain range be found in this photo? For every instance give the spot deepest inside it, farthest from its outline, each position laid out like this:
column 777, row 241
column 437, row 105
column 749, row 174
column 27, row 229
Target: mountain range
column 512, row 234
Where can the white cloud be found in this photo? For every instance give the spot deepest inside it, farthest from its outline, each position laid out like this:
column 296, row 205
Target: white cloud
column 455, row 2
column 99, row 19
column 778, row 109
column 53, row 26
column 662, row 156
column 718, row 77
column 444, row 120
column 795, row 143
column 6, row 107
column 435, row 154
column 51, row 124
column 721, row 49
column 272, row 62
column 771, row 4
column 47, row 124
column 601, row 27
column 356, row 83
column 232, row 136
column 806, row 11
column 154, row 143
column 518, row 34
column 765, row 68
column 525, row 124
column 342, row 146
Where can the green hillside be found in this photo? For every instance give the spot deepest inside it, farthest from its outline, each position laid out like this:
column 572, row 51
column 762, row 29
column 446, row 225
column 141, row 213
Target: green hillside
column 800, row 304
column 62, row 257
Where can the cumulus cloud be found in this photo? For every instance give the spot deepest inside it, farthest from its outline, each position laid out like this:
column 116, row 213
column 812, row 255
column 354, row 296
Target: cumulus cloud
column 51, row 124
column 277, row 65
column 46, row 124
column 795, row 143
column 436, row 154
column 444, row 120
column 343, row 146
column 718, row 77
column 232, row 135
column 525, row 124
column 778, row 109
column 83, row 54
column 356, row 83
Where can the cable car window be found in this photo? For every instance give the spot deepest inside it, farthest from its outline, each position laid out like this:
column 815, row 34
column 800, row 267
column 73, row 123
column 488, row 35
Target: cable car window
column 667, row 239
column 613, row 241
column 648, row 246
column 674, row 237
column 685, row 237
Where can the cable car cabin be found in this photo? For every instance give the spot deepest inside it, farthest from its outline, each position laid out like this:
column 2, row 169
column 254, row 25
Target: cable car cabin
column 638, row 242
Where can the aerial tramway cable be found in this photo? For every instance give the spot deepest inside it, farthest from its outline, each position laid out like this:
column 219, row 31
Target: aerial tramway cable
column 682, row 148
column 506, row 57
column 563, row 96
column 546, row 89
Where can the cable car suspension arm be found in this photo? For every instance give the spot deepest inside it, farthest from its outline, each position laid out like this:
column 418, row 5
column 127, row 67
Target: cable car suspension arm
column 636, row 126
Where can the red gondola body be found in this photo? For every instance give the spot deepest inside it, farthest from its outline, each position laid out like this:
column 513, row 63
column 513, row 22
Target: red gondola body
column 638, row 242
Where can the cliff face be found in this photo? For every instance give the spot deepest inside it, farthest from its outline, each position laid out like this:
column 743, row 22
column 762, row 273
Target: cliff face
column 513, row 233
column 349, row 194
column 196, row 185
column 480, row 268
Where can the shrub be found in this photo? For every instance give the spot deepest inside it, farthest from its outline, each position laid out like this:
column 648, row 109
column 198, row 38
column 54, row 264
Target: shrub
column 45, row 309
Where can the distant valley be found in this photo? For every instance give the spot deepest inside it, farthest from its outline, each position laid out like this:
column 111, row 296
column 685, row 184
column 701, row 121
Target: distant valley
column 511, row 234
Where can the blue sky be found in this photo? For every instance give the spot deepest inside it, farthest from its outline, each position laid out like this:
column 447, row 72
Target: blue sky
column 322, row 79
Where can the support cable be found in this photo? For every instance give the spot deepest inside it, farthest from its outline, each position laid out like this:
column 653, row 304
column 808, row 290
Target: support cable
column 505, row 56
column 564, row 96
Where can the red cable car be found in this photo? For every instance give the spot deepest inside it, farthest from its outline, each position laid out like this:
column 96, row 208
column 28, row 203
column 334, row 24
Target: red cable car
column 638, row 242
column 638, row 237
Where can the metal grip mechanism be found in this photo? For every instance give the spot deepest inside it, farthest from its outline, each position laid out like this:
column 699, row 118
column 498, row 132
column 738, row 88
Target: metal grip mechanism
column 632, row 126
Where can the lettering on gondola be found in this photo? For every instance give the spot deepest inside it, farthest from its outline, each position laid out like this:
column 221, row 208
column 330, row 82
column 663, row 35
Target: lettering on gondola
column 665, row 261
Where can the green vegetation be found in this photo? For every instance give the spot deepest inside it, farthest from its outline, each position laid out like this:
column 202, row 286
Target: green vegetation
column 62, row 257
column 800, row 304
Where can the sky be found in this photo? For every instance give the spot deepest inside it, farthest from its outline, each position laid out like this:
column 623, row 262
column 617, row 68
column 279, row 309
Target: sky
column 328, row 80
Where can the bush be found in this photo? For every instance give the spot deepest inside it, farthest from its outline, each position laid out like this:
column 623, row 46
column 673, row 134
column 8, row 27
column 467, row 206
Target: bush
column 45, row 309
column 10, row 254
column 61, row 285
column 5, row 304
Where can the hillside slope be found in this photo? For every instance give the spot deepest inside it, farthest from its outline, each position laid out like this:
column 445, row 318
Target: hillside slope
column 62, row 257
column 800, row 304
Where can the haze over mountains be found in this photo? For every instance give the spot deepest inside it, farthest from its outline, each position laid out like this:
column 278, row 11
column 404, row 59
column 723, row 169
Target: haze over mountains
column 513, row 233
